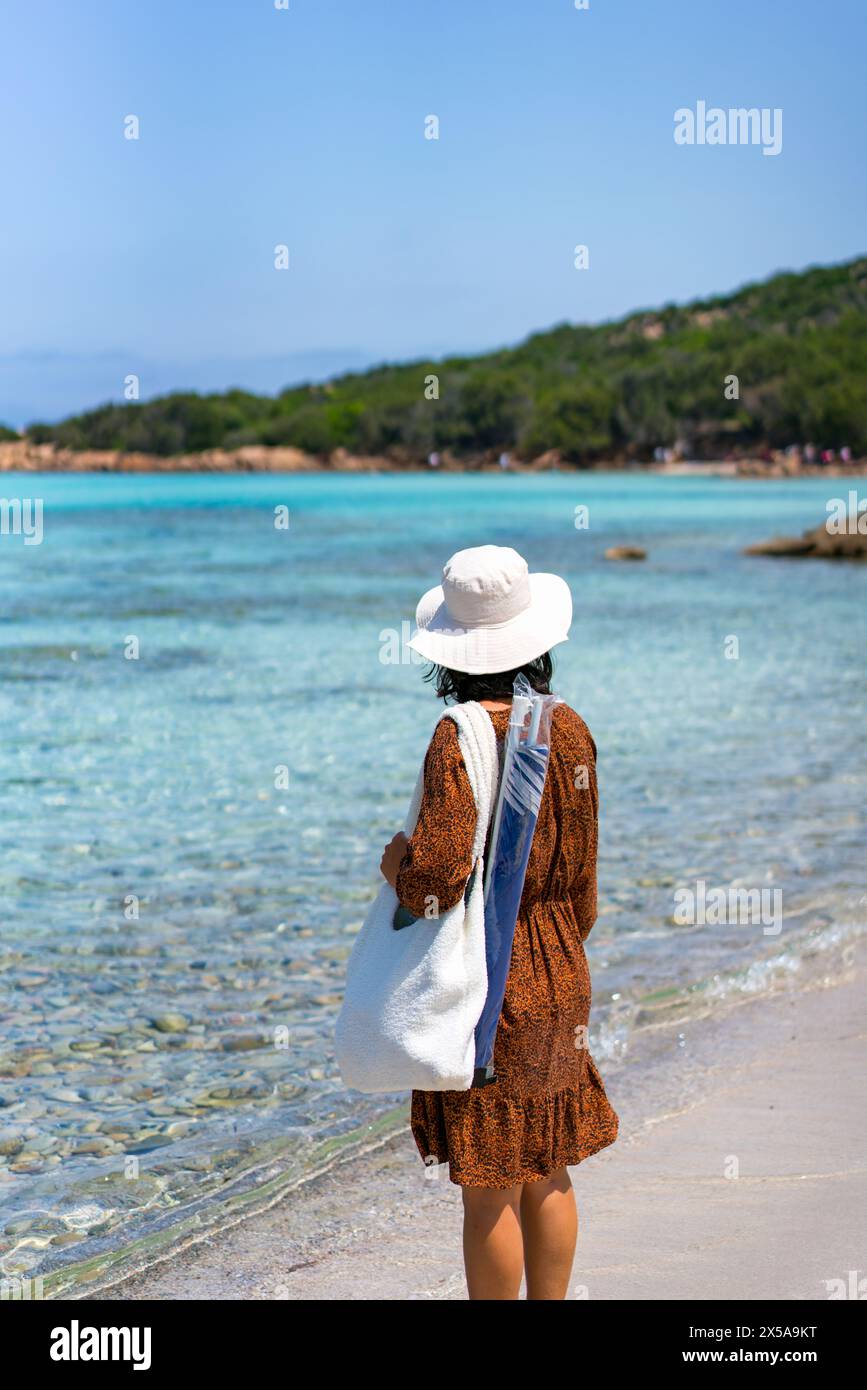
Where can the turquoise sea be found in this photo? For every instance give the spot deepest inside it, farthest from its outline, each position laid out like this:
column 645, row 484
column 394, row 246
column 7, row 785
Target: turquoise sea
column 205, row 746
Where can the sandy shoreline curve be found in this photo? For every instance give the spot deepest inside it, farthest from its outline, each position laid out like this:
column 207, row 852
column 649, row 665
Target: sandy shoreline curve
column 746, row 1178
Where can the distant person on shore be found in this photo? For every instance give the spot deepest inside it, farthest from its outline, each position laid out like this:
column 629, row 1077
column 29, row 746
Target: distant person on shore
column 509, row 1144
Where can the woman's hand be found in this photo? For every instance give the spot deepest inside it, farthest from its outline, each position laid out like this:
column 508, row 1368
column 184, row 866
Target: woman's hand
column 391, row 857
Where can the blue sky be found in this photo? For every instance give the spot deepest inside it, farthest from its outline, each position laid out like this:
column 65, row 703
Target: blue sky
column 306, row 127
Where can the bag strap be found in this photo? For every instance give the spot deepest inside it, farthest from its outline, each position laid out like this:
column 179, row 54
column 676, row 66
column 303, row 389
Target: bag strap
column 479, row 748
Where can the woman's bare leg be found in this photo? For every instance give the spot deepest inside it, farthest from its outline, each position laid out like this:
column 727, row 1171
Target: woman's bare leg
column 493, row 1250
column 549, row 1220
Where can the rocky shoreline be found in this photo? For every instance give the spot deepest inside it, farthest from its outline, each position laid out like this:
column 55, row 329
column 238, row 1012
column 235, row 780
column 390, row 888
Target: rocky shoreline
column 23, row 456
column 848, row 542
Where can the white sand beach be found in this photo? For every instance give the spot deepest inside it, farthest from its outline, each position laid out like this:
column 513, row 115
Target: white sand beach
column 776, row 1093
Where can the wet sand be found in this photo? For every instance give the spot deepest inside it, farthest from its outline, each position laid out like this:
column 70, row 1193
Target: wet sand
column 776, row 1093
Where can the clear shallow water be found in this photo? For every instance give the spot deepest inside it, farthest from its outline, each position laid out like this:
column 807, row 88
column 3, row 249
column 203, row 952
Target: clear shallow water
column 175, row 925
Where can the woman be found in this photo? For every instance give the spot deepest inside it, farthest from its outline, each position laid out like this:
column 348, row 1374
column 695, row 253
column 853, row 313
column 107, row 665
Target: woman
column 508, row 1145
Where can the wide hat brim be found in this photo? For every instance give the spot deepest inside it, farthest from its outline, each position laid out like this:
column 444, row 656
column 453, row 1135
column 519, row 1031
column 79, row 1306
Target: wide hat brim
column 543, row 624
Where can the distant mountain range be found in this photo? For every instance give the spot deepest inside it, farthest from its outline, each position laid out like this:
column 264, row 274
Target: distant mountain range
column 774, row 364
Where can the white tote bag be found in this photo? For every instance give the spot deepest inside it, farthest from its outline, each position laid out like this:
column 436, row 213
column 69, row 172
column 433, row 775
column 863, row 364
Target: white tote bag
column 414, row 995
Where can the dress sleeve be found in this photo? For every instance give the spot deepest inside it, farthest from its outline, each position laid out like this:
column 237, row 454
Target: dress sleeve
column 438, row 861
column 583, row 890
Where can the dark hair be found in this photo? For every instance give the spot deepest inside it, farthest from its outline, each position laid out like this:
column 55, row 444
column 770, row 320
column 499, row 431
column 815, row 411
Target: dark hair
column 460, row 685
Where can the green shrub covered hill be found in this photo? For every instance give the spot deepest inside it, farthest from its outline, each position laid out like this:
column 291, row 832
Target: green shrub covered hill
column 797, row 344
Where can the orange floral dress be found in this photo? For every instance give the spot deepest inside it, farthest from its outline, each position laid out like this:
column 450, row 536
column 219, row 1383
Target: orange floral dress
column 548, row 1106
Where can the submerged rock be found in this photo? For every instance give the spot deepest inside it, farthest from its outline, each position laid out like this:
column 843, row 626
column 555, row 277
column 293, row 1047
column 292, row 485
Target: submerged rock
column 247, row 1042
column 625, row 552
column 171, row 1023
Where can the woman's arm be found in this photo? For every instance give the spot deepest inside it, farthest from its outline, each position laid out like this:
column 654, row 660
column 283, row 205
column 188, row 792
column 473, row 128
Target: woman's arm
column 437, row 861
column 583, row 888
column 392, row 856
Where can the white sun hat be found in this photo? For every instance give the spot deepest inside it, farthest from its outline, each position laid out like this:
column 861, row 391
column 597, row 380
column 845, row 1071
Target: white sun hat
column 490, row 614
